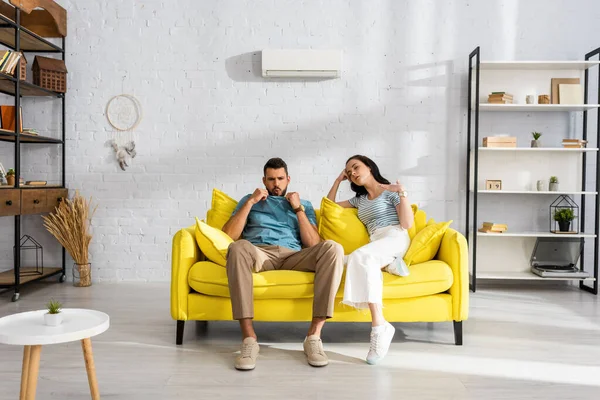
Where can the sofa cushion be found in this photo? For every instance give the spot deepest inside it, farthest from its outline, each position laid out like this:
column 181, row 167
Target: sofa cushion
column 342, row 226
column 221, row 208
column 419, row 222
column 426, row 243
column 212, row 242
column 425, row 279
column 211, row 279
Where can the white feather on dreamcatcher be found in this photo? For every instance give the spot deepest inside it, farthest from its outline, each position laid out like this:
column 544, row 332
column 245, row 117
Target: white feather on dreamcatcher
column 124, row 113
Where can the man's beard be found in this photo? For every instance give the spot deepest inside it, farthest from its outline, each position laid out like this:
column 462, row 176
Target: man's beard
column 282, row 192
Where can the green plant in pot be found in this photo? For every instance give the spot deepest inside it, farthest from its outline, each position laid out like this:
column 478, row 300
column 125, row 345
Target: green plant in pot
column 53, row 317
column 535, row 142
column 564, row 216
column 10, row 177
column 553, row 184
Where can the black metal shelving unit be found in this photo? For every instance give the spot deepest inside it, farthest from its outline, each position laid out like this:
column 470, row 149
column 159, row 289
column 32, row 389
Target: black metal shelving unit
column 12, row 86
column 472, row 177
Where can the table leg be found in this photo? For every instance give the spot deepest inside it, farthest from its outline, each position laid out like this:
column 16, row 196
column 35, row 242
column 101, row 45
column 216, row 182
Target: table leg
column 86, row 345
column 25, row 371
column 33, row 371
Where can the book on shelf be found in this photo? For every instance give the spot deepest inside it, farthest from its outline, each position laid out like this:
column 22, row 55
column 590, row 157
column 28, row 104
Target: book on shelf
column 9, row 60
column 500, row 98
column 574, row 143
column 36, row 183
column 30, row 131
column 490, row 227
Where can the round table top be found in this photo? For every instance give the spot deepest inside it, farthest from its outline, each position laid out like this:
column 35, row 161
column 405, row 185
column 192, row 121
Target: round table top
column 28, row 328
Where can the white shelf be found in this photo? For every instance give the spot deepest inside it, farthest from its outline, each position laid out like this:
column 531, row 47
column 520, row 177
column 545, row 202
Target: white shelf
column 537, row 65
column 538, row 149
column 522, row 275
column 536, row 234
column 536, row 107
column 532, row 192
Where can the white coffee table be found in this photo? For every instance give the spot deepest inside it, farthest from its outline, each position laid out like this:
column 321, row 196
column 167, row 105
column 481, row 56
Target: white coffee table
column 27, row 329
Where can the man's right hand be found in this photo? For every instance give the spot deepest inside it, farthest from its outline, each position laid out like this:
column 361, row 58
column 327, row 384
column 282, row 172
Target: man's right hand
column 258, row 195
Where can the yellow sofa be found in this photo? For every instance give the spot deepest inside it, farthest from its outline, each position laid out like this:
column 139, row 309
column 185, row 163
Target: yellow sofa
column 435, row 291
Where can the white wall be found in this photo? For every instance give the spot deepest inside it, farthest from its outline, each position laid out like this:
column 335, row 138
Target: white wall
column 210, row 120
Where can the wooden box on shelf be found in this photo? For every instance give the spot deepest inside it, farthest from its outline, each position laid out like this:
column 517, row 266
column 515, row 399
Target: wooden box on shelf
column 50, row 73
column 500, row 141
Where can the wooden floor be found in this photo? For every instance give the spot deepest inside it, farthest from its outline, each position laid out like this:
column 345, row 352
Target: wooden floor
column 533, row 342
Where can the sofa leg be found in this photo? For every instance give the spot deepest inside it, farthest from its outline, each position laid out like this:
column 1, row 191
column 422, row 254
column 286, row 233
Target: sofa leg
column 458, row 333
column 180, row 326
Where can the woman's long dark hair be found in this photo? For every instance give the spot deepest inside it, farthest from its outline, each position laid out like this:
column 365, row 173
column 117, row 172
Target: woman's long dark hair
column 360, row 190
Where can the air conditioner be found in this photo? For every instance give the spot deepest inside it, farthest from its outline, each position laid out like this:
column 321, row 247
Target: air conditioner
column 305, row 63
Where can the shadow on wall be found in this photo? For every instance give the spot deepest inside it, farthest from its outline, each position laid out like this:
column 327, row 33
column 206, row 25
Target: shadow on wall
column 245, row 67
column 442, row 77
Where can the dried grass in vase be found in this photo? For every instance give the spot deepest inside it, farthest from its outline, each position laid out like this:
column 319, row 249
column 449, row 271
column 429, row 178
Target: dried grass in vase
column 69, row 224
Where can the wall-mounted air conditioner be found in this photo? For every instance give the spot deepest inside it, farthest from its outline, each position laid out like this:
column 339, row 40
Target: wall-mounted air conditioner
column 305, row 63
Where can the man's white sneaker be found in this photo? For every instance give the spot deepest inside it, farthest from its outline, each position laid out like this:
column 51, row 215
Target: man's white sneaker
column 313, row 348
column 248, row 354
column 381, row 338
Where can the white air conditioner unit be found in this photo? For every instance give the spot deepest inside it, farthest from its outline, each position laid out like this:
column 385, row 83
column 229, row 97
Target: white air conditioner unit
column 305, row 63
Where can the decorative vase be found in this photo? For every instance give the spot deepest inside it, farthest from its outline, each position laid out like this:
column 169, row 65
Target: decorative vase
column 540, row 186
column 536, row 143
column 82, row 275
column 563, row 226
column 553, row 187
column 53, row 319
column 10, row 179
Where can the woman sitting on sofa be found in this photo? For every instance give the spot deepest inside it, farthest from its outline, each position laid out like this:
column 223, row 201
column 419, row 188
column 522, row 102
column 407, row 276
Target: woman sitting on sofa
column 387, row 214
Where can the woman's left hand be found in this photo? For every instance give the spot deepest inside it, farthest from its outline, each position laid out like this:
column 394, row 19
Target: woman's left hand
column 398, row 187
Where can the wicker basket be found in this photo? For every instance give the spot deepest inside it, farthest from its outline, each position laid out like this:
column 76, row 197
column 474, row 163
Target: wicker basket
column 50, row 73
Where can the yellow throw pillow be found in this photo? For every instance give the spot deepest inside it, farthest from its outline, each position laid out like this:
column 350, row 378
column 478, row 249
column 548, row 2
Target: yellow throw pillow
column 419, row 222
column 221, row 208
column 342, row 225
column 426, row 243
column 212, row 242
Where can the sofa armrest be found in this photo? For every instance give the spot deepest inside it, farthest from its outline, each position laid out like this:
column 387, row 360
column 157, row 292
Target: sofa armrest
column 185, row 253
column 454, row 252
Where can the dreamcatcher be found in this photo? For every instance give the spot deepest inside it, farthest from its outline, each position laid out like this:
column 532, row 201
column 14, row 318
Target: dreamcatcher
column 124, row 113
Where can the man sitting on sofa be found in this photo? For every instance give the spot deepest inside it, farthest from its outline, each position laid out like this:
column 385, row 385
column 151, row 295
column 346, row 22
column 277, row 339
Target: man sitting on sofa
column 279, row 232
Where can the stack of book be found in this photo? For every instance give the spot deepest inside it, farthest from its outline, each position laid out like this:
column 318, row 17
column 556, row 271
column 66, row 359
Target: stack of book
column 490, row 227
column 574, row 143
column 500, row 98
column 30, row 131
column 8, row 61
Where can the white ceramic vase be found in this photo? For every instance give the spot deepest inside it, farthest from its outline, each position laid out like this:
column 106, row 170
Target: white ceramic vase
column 53, row 319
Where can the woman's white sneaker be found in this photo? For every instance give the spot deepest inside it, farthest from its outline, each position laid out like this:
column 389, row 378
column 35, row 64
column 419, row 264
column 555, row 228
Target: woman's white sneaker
column 381, row 338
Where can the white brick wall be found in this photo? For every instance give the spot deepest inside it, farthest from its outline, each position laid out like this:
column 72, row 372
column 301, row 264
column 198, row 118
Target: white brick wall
column 212, row 121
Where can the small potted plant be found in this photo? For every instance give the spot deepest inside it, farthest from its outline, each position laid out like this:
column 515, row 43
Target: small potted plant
column 10, row 177
column 535, row 142
column 564, row 216
column 53, row 317
column 553, row 185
